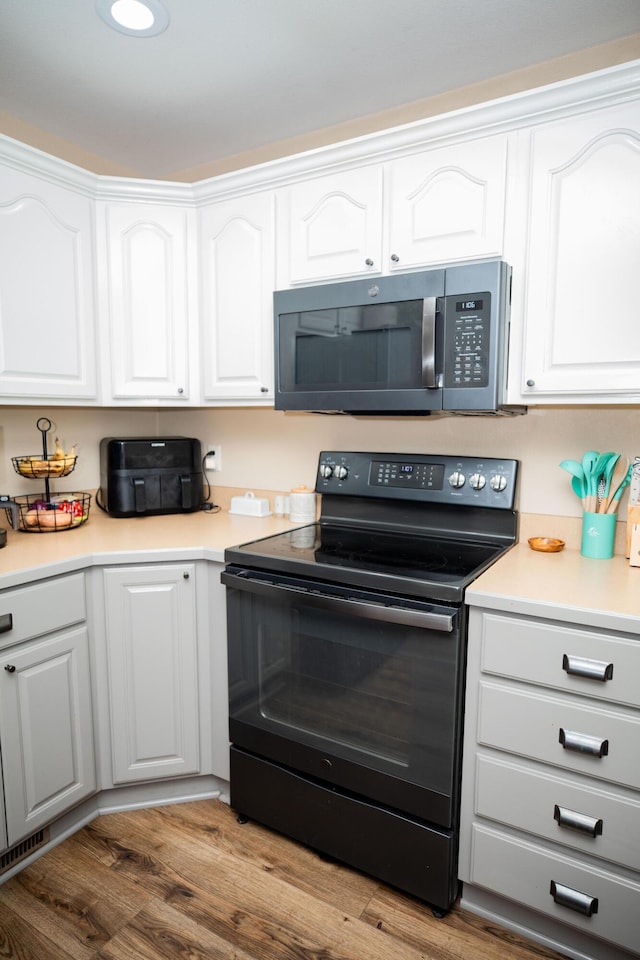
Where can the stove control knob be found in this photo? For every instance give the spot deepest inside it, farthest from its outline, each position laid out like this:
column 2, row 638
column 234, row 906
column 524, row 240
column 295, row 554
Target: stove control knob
column 477, row 481
column 457, row 479
column 326, row 470
column 341, row 472
column 498, row 482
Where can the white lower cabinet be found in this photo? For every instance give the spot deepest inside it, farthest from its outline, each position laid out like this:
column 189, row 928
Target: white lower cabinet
column 550, row 818
column 46, row 718
column 46, row 727
column 152, row 660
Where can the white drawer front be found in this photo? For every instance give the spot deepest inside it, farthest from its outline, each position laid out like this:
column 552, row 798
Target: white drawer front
column 564, row 732
column 579, row 661
column 570, row 812
column 525, row 872
column 41, row 608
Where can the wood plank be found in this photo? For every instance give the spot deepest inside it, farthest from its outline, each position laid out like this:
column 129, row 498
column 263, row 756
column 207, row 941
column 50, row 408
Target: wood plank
column 189, row 881
column 276, row 855
column 71, row 901
column 457, row 936
column 160, row 932
column 19, row 940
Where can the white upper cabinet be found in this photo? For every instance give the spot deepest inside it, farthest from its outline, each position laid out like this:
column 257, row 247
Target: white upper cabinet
column 47, row 309
column 582, row 335
column 147, row 299
column 237, row 276
column 331, row 227
column 447, row 204
column 431, row 207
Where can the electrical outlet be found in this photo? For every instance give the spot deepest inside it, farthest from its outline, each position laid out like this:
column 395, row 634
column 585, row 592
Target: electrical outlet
column 213, row 457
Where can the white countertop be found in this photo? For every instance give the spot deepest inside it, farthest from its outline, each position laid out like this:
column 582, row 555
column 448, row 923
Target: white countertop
column 563, row 586
column 108, row 540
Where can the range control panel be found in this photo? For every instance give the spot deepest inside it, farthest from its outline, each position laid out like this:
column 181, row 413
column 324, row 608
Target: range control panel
column 473, row 481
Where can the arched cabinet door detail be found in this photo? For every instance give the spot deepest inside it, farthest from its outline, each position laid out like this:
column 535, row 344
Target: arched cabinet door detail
column 582, row 335
column 148, row 308
column 47, row 309
column 447, row 204
column 333, row 226
column 237, row 280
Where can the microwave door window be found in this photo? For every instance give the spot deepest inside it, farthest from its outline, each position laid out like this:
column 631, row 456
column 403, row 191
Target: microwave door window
column 366, row 347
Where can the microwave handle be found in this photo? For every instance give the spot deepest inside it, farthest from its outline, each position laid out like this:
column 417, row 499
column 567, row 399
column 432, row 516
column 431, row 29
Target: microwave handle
column 429, row 378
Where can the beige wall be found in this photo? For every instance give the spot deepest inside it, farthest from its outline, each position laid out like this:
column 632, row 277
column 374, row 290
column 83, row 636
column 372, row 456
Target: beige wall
column 572, row 65
column 263, row 449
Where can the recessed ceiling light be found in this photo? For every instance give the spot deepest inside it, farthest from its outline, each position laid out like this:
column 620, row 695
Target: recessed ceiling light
column 136, row 18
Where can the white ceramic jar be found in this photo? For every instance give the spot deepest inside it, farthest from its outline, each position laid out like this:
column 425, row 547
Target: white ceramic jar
column 302, row 505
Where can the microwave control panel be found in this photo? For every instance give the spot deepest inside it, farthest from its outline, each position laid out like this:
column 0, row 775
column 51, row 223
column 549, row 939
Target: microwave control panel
column 467, row 340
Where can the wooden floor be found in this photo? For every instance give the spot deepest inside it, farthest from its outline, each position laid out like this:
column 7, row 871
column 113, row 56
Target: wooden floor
column 189, row 882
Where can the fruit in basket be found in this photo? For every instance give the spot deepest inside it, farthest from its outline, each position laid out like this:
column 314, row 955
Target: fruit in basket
column 58, row 465
column 56, row 519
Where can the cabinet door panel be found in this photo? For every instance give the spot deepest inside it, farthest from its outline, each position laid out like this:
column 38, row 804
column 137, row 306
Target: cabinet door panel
column 238, row 268
column 152, row 656
column 535, row 652
column 47, row 730
column 448, row 204
column 334, row 226
column 582, row 334
column 523, row 871
column 552, row 729
column 47, row 310
column 148, row 280
column 561, row 810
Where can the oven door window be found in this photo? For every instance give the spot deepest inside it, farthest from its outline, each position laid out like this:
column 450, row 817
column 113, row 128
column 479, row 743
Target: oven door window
column 350, row 690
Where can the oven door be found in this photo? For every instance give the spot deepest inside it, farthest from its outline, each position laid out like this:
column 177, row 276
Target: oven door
column 359, row 690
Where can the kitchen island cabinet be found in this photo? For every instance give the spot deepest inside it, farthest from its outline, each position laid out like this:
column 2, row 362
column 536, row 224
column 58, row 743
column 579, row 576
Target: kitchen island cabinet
column 46, row 714
column 550, row 819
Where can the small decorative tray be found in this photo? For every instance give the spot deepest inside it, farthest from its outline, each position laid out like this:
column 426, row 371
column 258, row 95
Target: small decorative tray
column 64, row 511
column 546, row 544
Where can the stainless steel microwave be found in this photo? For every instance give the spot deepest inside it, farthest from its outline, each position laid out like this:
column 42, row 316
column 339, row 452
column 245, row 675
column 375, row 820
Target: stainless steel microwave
column 412, row 343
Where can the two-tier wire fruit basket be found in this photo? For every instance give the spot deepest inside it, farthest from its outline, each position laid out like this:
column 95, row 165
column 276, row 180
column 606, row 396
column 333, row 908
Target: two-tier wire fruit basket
column 47, row 512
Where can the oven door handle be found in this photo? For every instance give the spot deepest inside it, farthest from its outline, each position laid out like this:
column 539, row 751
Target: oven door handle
column 426, row 619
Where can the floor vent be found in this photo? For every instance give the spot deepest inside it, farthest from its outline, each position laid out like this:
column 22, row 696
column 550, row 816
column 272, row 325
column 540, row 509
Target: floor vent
column 21, row 850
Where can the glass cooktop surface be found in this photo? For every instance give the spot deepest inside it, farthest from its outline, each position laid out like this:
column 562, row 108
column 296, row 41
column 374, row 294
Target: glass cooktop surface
column 393, row 554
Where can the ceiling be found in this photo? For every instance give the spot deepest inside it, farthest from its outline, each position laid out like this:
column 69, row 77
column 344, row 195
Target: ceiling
column 230, row 76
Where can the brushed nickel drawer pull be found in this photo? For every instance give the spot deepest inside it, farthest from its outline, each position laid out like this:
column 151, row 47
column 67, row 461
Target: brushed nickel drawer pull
column 6, row 622
column 583, row 743
column 573, row 899
column 585, row 667
column 578, row 821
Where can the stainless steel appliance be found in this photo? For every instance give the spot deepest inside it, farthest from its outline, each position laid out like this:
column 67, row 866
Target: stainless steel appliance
column 346, row 642
column 413, row 343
